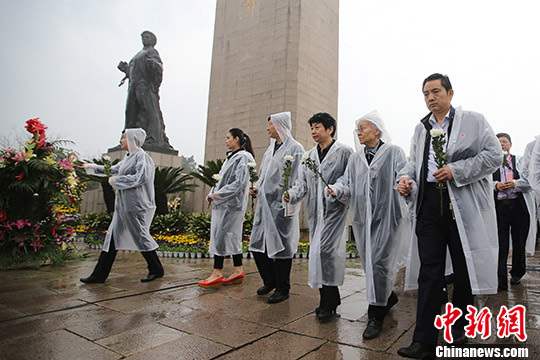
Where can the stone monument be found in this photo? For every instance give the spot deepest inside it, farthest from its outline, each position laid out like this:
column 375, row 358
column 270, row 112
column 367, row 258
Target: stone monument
column 145, row 73
column 271, row 56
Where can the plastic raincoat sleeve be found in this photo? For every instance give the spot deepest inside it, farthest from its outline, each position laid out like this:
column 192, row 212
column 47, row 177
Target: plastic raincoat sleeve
column 99, row 170
column 341, row 186
column 534, row 167
column 129, row 181
column 522, row 184
column 299, row 189
column 238, row 184
column 484, row 163
column 409, row 170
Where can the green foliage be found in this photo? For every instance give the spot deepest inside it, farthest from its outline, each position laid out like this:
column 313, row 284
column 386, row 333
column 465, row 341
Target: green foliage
column 205, row 173
column 200, row 225
column 169, row 180
column 173, row 223
column 247, row 225
column 95, row 221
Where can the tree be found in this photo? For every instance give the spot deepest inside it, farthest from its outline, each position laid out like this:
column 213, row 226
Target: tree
column 169, row 180
column 205, row 173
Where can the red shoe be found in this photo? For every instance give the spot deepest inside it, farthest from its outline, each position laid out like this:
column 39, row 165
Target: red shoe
column 211, row 284
column 235, row 280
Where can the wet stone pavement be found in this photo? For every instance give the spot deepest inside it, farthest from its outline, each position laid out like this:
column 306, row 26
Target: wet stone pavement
column 49, row 314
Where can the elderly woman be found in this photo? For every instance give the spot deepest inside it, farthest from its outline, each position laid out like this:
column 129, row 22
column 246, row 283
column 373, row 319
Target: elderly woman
column 230, row 198
column 380, row 217
column 133, row 180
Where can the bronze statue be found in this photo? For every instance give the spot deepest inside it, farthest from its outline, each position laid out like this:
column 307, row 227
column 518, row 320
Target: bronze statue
column 145, row 72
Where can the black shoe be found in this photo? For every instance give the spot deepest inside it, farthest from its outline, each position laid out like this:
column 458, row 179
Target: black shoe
column 263, row 290
column 151, row 277
column 317, row 310
column 418, row 350
column 514, row 280
column 92, row 280
column 277, row 297
column 373, row 329
column 325, row 315
column 459, row 337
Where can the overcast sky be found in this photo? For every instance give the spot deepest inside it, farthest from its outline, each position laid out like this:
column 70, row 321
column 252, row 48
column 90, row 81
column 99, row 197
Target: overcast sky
column 59, row 63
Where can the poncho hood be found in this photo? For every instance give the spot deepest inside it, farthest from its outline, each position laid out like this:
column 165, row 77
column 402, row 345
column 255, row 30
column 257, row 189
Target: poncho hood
column 135, row 139
column 282, row 124
column 376, row 119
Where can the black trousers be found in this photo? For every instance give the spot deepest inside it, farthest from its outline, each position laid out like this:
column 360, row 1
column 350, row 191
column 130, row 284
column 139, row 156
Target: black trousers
column 330, row 297
column 218, row 261
column 512, row 218
column 274, row 272
column 106, row 260
column 434, row 233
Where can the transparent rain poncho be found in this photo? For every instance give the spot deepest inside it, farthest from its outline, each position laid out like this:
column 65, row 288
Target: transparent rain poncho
column 272, row 231
column 133, row 180
column 530, row 195
column 380, row 217
column 327, row 219
column 230, row 198
column 474, row 154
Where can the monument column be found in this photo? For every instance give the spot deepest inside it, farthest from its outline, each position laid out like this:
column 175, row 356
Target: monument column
column 271, row 56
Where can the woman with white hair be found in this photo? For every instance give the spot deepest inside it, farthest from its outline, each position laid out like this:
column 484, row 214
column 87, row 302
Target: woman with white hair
column 134, row 207
column 380, row 217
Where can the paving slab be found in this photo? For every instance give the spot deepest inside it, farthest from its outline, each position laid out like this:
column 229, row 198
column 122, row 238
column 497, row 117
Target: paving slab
column 219, row 328
column 60, row 344
column 47, row 313
column 280, row 345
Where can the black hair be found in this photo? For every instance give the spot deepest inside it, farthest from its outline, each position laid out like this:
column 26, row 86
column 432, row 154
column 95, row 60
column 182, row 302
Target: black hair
column 325, row 119
column 243, row 140
column 445, row 81
column 499, row 135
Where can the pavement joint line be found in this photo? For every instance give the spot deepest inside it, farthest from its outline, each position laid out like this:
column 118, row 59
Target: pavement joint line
column 246, row 344
column 103, row 300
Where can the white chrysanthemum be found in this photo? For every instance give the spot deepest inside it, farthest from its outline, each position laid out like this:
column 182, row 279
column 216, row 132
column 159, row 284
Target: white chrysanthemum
column 436, row 132
column 288, row 158
column 505, row 153
column 252, row 165
column 305, row 157
column 216, row 177
column 106, row 158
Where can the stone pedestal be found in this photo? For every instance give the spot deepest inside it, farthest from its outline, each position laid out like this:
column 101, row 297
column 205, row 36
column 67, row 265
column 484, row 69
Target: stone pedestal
column 93, row 199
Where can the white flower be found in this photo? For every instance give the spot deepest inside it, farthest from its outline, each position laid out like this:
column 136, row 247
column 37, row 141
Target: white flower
column 106, row 158
column 288, row 158
column 305, row 157
column 216, row 177
column 505, row 153
column 436, row 132
column 252, row 165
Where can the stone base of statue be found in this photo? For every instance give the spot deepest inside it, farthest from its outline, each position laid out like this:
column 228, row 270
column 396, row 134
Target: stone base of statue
column 93, row 200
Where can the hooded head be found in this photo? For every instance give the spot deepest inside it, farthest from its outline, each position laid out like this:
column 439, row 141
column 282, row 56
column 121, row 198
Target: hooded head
column 135, row 139
column 282, row 124
column 374, row 118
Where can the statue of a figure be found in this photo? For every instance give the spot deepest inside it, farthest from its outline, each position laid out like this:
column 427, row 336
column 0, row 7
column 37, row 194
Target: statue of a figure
column 145, row 72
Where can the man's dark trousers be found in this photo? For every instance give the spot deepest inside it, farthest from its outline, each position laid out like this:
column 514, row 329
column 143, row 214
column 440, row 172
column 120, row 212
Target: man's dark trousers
column 512, row 218
column 434, row 233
